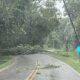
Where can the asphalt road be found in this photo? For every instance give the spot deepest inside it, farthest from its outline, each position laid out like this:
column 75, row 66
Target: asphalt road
column 24, row 63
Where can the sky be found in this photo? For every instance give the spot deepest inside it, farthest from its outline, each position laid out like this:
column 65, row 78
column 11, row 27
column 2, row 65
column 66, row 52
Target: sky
column 59, row 6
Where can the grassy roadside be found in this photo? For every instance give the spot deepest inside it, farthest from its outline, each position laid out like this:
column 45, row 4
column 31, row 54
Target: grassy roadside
column 71, row 60
column 5, row 61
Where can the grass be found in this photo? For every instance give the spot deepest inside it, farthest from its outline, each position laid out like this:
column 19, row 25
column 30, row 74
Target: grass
column 5, row 61
column 70, row 60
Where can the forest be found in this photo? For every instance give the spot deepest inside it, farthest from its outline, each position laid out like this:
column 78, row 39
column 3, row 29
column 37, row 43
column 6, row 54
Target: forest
column 43, row 29
column 37, row 23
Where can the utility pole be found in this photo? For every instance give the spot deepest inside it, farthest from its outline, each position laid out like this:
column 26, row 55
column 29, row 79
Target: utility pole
column 76, row 36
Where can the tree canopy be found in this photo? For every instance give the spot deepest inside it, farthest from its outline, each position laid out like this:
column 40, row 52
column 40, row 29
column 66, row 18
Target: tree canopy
column 26, row 21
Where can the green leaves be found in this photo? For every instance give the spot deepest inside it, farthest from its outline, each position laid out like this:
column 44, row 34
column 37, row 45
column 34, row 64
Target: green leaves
column 26, row 22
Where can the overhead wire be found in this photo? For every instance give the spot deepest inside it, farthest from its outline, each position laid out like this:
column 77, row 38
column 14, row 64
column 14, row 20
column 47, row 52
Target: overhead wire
column 76, row 35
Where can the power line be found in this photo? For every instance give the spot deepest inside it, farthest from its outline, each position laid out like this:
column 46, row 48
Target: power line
column 76, row 36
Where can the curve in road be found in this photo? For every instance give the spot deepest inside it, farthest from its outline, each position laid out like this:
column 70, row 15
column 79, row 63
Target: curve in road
column 21, row 69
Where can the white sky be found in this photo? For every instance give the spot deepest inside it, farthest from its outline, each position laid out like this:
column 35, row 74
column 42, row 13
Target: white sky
column 59, row 6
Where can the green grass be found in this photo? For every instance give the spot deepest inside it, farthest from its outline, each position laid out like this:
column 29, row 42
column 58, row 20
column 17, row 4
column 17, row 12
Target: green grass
column 5, row 61
column 71, row 60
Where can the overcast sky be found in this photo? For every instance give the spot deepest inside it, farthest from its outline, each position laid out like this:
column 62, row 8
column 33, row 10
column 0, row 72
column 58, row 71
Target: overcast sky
column 59, row 6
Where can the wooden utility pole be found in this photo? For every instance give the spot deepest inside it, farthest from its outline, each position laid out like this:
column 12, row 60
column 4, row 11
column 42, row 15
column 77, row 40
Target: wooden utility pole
column 76, row 36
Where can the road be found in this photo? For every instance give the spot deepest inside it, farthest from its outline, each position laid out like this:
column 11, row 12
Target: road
column 24, row 63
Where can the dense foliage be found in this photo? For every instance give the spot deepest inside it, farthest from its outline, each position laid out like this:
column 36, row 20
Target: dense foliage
column 26, row 22
column 37, row 22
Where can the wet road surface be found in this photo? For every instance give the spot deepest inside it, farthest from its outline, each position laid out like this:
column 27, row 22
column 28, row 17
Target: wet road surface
column 24, row 63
